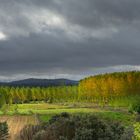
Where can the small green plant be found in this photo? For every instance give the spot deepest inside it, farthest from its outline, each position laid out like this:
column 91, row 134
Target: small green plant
column 4, row 131
column 137, row 131
column 135, row 107
column 4, row 108
column 16, row 109
column 2, row 100
column 30, row 112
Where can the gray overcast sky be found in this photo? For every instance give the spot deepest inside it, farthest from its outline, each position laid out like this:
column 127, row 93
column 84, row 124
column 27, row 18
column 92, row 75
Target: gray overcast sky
column 68, row 38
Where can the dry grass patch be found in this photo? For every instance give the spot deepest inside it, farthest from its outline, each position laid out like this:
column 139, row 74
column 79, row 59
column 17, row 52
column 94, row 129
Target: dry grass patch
column 16, row 123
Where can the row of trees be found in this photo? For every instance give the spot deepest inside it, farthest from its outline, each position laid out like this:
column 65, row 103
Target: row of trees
column 107, row 87
column 101, row 88
column 11, row 95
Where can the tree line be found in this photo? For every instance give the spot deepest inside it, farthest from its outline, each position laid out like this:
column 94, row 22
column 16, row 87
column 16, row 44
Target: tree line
column 101, row 88
column 107, row 87
column 12, row 95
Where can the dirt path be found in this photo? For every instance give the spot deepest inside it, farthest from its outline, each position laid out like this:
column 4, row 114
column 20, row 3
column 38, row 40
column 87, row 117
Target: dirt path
column 16, row 123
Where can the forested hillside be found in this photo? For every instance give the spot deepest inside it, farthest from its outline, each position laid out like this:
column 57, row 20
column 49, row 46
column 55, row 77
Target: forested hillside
column 40, row 83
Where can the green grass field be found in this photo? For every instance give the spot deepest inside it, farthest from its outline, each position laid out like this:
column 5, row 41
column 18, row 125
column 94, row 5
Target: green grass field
column 46, row 111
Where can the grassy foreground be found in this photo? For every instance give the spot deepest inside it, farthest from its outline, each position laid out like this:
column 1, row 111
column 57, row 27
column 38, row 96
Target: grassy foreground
column 18, row 116
column 46, row 111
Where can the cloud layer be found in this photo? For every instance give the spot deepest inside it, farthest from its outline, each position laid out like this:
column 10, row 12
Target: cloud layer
column 60, row 38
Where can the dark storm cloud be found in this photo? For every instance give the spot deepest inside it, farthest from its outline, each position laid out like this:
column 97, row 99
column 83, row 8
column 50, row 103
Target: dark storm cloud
column 67, row 38
column 92, row 13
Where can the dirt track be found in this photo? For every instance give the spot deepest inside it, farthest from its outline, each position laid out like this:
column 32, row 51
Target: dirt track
column 16, row 123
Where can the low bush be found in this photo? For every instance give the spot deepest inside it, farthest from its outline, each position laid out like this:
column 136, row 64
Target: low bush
column 81, row 127
column 28, row 132
column 135, row 107
column 137, row 131
column 4, row 135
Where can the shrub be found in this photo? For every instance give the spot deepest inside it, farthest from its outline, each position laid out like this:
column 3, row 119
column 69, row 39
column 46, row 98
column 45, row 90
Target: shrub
column 135, row 107
column 28, row 132
column 40, row 135
column 4, row 131
column 78, row 127
column 137, row 131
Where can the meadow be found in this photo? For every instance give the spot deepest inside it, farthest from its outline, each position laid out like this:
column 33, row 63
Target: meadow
column 27, row 114
column 47, row 110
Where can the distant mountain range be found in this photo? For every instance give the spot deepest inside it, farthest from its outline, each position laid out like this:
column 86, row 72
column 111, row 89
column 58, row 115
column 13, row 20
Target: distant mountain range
column 40, row 82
